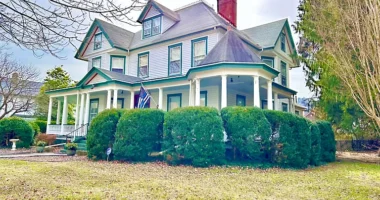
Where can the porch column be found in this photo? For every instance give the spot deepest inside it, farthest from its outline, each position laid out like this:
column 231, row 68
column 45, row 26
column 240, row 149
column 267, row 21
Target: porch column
column 224, row 92
column 132, row 106
column 197, row 92
column 49, row 114
column 256, row 92
column 276, row 106
column 87, row 110
column 81, row 113
column 109, row 93
column 191, row 97
column 115, row 91
column 58, row 113
column 64, row 114
column 160, row 98
column 77, row 111
column 269, row 98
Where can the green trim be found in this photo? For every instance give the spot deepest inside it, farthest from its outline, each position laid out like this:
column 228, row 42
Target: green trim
column 205, row 93
column 89, row 110
column 101, row 40
column 287, row 26
column 90, row 73
column 151, row 26
column 172, row 46
column 117, row 56
column 268, row 58
column 138, row 64
column 146, row 8
column 192, row 48
column 284, row 65
column 122, row 102
column 283, row 42
column 234, row 65
column 100, row 58
column 173, row 95
column 241, row 96
column 282, row 107
column 281, row 87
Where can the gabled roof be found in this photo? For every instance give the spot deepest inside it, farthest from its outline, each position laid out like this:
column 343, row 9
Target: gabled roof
column 267, row 34
column 231, row 48
column 162, row 9
column 109, row 76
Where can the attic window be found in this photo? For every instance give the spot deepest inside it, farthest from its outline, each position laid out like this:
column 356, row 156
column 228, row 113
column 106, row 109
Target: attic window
column 98, row 41
column 283, row 45
column 152, row 27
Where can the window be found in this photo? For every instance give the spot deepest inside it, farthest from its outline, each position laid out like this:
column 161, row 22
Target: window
column 203, row 98
column 97, row 62
column 152, row 27
column 268, row 60
column 120, row 103
column 117, row 64
column 240, row 100
column 98, row 41
column 199, row 50
column 94, row 108
column 297, row 112
column 283, row 74
column 174, row 101
column 283, row 44
column 175, row 59
column 284, row 107
column 143, row 66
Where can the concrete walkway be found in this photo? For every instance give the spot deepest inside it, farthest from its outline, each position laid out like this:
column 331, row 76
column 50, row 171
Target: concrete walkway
column 31, row 155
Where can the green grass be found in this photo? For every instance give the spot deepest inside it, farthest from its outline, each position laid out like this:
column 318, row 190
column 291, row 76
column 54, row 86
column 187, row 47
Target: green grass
column 101, row 180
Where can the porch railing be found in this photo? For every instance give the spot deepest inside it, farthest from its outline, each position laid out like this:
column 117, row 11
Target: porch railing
column 57, row 129
column 79, row 132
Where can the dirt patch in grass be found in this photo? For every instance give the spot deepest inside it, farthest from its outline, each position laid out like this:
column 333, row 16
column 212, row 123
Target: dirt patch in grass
column 369, row 157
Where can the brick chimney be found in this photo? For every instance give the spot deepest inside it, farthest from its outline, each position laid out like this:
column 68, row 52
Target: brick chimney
column 228, row 10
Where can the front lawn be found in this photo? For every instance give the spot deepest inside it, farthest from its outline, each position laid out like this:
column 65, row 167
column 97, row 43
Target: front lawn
column 101, row 180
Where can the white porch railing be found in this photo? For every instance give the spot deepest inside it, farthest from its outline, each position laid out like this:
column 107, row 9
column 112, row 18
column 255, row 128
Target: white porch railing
column 59, row 129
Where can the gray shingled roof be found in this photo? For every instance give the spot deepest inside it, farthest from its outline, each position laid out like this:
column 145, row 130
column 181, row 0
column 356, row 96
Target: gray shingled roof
column 231, row 48
column 167, row 12
column 267, row 34
column 119, row 37
column 120, row 77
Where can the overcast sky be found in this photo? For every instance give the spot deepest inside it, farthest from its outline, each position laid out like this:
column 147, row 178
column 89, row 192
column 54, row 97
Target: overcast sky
column 250, row 13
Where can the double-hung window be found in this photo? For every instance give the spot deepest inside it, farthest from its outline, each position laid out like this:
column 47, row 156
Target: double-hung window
column 156, row 26
column 283, row 42
column 97, row 62
column 143, row 65
column 151, row 27
column 199, row 50
column 175, row 59
column 118, row 64
column 174, row 101
column 283, row 74
column 98, row 41
column 147, row 28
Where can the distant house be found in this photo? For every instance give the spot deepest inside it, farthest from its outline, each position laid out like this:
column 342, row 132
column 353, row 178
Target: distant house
column 192, row 56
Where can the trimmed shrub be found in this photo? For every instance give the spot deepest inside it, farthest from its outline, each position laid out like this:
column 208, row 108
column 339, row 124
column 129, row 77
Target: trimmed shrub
column 195, row 135
column 36, row 129
column 248, row 130
column 101, row 133
column 15, row 127
column 42, row 124
column 315, row 138
column 139, row 132
column 48, row 138
column 328, row 142
column 290, row 139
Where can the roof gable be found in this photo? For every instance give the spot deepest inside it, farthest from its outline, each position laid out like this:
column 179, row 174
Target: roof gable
column 106, row 75
column 155, row 6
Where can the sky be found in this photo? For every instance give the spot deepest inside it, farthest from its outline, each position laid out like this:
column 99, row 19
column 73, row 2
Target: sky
column 250, row 13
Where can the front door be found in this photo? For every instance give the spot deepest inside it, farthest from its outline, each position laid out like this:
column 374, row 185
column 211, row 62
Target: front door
column 94, row 108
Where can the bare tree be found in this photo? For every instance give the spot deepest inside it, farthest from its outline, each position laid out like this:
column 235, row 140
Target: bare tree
column 50, row 26
column 18, row 87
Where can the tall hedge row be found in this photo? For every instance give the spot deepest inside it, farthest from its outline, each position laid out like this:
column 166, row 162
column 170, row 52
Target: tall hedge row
column 194, row 135
column 315, row 149
column 248, row 130
column 16, row 128
column 328, row 142
column 101, row 133
column 139, row 132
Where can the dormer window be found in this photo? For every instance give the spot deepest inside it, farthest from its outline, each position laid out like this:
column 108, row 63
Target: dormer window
column 152, row 27
column 283, row 44
column 98, row 41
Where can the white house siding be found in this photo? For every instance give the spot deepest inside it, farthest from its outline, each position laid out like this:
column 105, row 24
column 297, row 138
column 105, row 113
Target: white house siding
column 97, row 79
column 166, row 24
column 90, row 48
column 231, row 97
column 152, row 12
column 105, row 61
column 158, row 55
column 184, row 90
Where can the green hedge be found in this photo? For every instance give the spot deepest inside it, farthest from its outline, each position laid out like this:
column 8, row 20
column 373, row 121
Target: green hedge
column 248, row 130
column 101, row 134
column 290, row 139
column 36, row 129
column 328, row 142
column 315, row 138
column 139, row 132
column 15, row 127
column 42, row 124
column 194, row 135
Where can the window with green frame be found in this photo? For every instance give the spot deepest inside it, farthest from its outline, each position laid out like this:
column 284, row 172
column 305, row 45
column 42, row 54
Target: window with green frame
column 143, row 65
column 174, row 101
column 268, row 60
column 175, row 59
column 94, row 109
column 203, row 98
column 98, row 41
column 283, row 42
column 298, row 112
column 117, row 64
column 97, row 62
column 285, row 107
column 151, row 27
column 283, row 74
column 120, row 103
column 240, row 100
column 198, row 51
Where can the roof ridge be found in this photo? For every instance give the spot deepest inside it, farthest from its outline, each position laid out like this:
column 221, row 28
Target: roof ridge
column 266, row 23
column 192, row 4
column 112, row 24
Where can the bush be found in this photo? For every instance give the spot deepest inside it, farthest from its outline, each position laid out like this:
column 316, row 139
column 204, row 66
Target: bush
column 248, row 130
column 139, row 132
column 41, row 144
column 328, row 142
column 101, row 134
column 15, row 127
column 194, row 134
column 42, row 124
column 36, row 129
column 290, row 139
column 48, row 138
column 315, row 138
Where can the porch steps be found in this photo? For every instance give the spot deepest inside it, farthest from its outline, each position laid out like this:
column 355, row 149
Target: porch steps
column 81, row 142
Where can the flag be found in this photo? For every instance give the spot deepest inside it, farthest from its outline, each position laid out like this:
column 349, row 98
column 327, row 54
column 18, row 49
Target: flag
column 144, row 97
